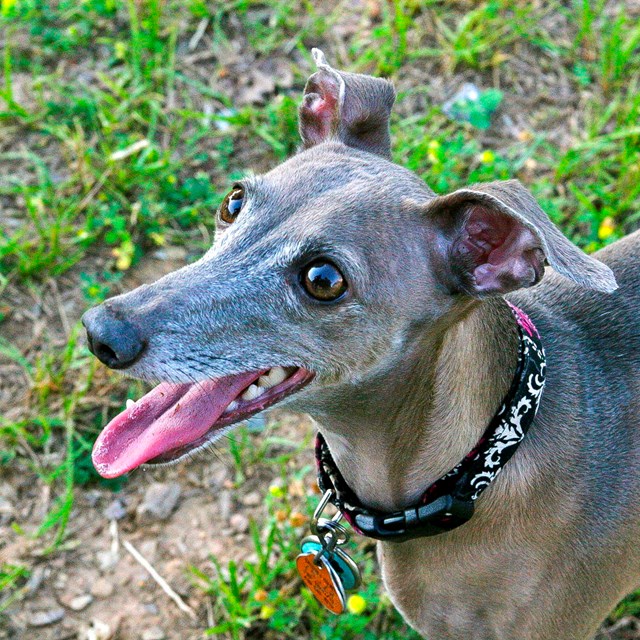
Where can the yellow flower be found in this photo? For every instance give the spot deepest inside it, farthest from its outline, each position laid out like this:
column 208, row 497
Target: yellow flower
column 356, row 604
column 158, row 238
column 7, row 5
column 276, row 491
column 607, row 227
column 267, row 611
column 487, row 157
column 124, row 255
column 433, row 151
column 120, row 49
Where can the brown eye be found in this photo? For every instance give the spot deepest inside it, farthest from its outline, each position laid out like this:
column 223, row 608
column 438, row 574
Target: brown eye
column 232, row 204
column 323, row 281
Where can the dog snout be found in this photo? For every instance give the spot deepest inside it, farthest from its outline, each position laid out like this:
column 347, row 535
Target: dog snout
column 114, row 340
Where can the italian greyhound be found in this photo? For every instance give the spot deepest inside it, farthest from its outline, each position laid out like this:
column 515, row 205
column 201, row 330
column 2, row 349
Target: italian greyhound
column 341, row 286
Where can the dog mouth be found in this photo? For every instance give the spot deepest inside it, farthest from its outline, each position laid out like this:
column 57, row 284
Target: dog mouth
column 173, row 420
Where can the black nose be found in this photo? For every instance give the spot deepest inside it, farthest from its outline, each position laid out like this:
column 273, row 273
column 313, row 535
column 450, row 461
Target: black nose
column 112, row 339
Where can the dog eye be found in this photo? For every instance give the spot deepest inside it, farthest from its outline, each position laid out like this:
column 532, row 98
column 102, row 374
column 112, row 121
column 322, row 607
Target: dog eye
column 323, row 281
column 232, row 204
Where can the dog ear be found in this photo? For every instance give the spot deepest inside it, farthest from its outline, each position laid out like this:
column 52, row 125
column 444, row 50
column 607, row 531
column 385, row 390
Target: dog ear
column 494, row 238
column 349, row 107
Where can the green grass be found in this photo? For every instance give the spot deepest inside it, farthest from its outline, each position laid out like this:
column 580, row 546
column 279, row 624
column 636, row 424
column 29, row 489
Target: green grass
column 261, row 595
column 120, row 145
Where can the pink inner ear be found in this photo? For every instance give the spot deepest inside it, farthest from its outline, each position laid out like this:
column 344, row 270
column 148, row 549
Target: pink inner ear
column 504, row 253
column 319, row 110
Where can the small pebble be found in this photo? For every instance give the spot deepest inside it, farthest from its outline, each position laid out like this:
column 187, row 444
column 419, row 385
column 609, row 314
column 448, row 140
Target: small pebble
column 106, row 559
column 252, row 499
column 224, row 504
column 44, row 618
column 239, row 522
column 80, row 602
column 36, row 579
column 96, row 630
column 160, row 499
column 101, row 588
column 6, row 510
column 115, row 511
column 153, row 633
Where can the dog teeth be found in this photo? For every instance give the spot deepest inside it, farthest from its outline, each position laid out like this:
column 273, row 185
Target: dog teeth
column 277, row 375
column 252, row 392
column 130, row 403
column 232, row 406
column 273, row 377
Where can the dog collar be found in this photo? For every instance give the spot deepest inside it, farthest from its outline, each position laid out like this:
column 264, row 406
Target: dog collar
column 449, row 501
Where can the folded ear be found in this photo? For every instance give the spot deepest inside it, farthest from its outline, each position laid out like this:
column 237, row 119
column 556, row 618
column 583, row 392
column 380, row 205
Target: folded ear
column 349, row 107
column 494, row 238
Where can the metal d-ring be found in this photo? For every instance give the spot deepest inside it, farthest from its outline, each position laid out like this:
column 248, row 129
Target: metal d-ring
column 328, row 531
column 328, row 527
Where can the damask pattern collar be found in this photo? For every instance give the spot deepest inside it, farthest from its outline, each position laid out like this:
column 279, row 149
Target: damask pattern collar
column 449, row 501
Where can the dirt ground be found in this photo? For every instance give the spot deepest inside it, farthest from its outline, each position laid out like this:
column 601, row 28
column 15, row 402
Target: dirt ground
column 94, row 588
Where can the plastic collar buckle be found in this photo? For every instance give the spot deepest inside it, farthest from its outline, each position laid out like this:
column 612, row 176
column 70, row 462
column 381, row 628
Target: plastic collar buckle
column 443, row 514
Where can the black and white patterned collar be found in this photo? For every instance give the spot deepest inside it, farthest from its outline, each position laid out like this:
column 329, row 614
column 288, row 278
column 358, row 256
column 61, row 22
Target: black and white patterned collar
column 449, row 501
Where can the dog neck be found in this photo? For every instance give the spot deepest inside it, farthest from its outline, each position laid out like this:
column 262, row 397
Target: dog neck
column 401, row 432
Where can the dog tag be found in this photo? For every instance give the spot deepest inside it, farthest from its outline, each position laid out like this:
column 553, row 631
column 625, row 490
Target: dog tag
column 344, row 567
column 322, row 581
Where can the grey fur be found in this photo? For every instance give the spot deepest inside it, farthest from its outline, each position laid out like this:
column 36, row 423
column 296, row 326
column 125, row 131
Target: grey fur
column 409, row 370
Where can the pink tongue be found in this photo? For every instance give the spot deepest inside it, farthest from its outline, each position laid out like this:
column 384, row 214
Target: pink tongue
column 168, row 417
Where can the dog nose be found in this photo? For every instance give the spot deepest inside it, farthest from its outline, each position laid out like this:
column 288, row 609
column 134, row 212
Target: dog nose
column 112, row 339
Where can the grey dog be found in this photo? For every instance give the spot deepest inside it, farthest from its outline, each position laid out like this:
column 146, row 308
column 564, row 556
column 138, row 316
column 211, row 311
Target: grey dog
column 341, row 286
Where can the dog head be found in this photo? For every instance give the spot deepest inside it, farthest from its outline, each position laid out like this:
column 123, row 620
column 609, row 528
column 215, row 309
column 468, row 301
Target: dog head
column 322, row 273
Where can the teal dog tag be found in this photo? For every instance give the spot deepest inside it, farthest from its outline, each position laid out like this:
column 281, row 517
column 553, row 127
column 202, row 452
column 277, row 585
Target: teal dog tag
column 344, row 567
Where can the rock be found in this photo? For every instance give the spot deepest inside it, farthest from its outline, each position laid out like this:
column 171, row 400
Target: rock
column 239, row 522
column 93, row 497
column 96, row 630
column 44, row 618
column 224, row 504
column 252, row 499
column 8, row 491
column 153, row 633
column 148, row 548
column 151, row 609
column 160, row 499
column 115, row 511
column 38, row 576
column 218, row 477
column 101, row 588
column 7, row 510
column 80, row 602
column 60, row 581
column 106, row 559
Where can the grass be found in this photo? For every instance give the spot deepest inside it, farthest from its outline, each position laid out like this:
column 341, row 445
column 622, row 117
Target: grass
column 262, row 595
column 116, row 143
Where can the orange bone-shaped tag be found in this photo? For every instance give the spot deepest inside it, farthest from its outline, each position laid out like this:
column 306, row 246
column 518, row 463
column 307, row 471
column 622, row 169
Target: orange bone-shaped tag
column 322, row 581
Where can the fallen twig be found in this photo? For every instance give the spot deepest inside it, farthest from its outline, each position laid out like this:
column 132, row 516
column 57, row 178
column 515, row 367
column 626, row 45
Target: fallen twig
column 182, row 605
